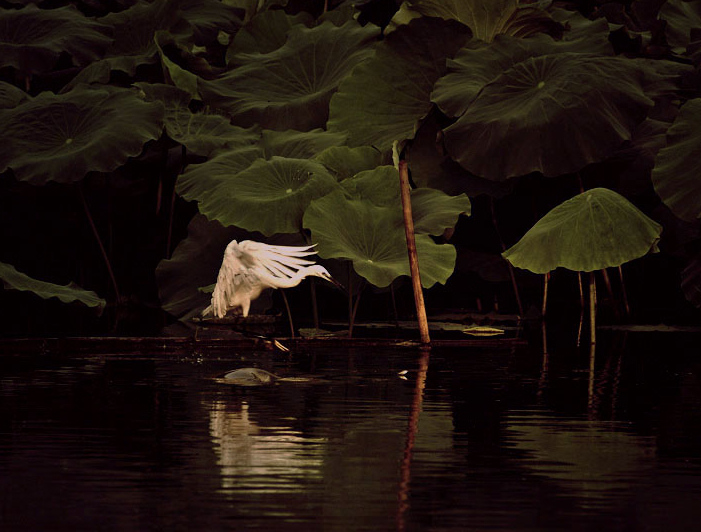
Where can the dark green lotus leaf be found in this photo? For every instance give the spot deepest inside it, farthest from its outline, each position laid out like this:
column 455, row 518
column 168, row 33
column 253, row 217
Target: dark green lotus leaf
column 594, row 230
column 682, row 17
column 298, row 144
column 373, row 238
column 63, row 137
column 552, row 114
column 253, row 7
column 134, row 30
column 386, row 96
column 678, row 165
column 488, row 19
column 174, row 73
column 289, row 88
column 431, row 167
column 264, row 33
column 97, row 73
column 477, row 65
column 344, row 162
column 15, row 280
column 691, row 280
column 206, row 18
column 11, row 96
column 268, row 196
column 194, row 265
column 433, row 211
column 31, row 39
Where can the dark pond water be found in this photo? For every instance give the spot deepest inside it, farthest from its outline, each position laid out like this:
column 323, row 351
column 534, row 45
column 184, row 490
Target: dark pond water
column 485, row 439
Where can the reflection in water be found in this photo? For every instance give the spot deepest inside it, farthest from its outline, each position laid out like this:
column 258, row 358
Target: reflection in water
column 272, row 460
column 589, row 459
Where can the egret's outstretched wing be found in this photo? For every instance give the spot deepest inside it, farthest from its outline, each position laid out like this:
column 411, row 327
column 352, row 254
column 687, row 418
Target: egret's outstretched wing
column 280, row 261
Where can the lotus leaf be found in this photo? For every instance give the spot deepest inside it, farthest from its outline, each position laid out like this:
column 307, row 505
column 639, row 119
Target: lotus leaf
column 290, row 87
column 175, row 74
column 488, row 19
column 268, row 196
column 10, row 96
column 251, row 7
column 386, row 96
column 678, row 165
column 373, row 238
column 552, row 114
column 266, row 32
column 298, row 144
column 344, row 162
column 13, row 279
column 681, row 17
column 31, row 39
column 433, row 211
column 594, row 230
column 63, row 137
column 134, row 30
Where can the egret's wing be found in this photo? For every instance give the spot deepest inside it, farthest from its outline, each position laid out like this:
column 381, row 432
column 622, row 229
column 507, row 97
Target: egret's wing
column 279, row 261
column 235, row 278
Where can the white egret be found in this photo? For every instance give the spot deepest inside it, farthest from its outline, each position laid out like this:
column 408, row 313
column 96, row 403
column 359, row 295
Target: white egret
column 250, row 267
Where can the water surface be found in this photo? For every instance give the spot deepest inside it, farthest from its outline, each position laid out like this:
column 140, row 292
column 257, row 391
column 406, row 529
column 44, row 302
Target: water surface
column 472, row 439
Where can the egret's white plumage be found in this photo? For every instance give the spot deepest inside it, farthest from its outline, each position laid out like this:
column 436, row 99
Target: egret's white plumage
column 250, row 267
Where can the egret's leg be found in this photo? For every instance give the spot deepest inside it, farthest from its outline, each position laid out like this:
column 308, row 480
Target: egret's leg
column 245, row 306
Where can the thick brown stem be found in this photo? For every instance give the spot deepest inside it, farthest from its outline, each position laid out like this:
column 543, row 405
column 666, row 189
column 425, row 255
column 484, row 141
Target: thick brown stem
column 411, row 250
column 592, row 306
column 105, row 258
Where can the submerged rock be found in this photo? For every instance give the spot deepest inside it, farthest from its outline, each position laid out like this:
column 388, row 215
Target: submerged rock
column 250, row 377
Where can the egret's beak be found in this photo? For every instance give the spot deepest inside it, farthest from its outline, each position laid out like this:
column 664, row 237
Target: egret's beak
column 335, row 283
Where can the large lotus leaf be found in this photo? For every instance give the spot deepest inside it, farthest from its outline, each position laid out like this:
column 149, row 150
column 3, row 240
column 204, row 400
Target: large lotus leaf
column 385, row 97
column 201, row 133
column 173, row 72
column 264, row 33
column 298, row 144
column 552, row 114
column 31, row 39
column 268, row 196
column 594, row 230
column 252, row 7
column 373, row 238
column 63, row 137
column 431, row 167
column 433, row 211
column 134, row 30
column 290, row 87
column 11, row 96
column 682, row 17
column 477, row 65
column 194, row 266
column 344, row 162
column 206, row 18
column 488, row 19
column 678, row 165
column 13, row 279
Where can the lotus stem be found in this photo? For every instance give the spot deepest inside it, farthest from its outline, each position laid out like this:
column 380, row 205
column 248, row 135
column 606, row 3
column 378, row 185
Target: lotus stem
column 315, row 306
column 592, row 306
column 173, row 196
column 411, row 250
column 289, row 313
column 105, row 258
column 626, row 306
column 609, row 290
column 546, row 278
column 581, row 291
column 512, row 273
column 354, row 310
